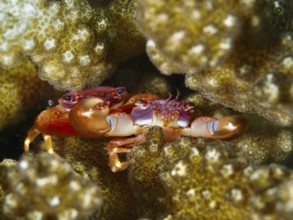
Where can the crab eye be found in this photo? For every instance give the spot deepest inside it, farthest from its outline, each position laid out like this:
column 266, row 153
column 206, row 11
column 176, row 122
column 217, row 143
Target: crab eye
column 140, row 102
column 174, row 104
column 189, row 106
column 121, row 91
column 67, row 97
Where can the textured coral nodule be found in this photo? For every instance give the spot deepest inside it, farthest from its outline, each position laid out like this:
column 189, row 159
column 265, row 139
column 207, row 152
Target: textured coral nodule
column 56, row 37
column 190, row 35
column 73, row 45
column 263, row 141
column 250, row 80
column 144, row 178
column 21, row 89
column 273, row 197
column 45, row 187
column 234, row 52
column 208, row 177
column 88, row 158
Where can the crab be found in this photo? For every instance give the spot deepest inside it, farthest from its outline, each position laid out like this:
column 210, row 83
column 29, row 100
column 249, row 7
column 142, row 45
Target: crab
column 55, row 121
column 99, row 114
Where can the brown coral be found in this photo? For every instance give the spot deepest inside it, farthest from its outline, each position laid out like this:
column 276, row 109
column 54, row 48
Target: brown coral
column 272, row 186
column 73, row 44
column 230, row 51
column 144, row 177
column 260, row 141
column 21, row 91
column 169, row 180
column 205, row 39
column 37, row 188
column 124, row 39
column 250, row 80
column 282, row 14
column 208, row 177
column 263, row 141
column 6, row 163
column 89, row 158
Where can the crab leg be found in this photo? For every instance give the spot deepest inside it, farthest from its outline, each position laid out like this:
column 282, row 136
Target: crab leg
column 122, row 125
column 214, row 128
column 48, row 143
column 116, row 147
column 31, row 136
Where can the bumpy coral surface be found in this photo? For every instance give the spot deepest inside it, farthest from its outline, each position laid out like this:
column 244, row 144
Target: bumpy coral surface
column 260, row 141
column 89, row 158
column 117, row 21
column 234, row 52
column 263, row 142
column 272, row 198
column 144, row 177
column 282, row 14
column 186, row 179
column 45, row 187
column 67, row 39
column 191, row 34
column 250, row 80
column 21, row 90
column 6, row 163
column 141, row 78
column 208, row 177
column 203, row 179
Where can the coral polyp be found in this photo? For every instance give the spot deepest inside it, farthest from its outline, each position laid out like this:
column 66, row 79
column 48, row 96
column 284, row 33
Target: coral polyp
column 37, row 187
column 69, row 40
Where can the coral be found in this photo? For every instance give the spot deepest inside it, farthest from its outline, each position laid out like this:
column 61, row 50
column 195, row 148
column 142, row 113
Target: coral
column 186, row 179
column 263, row 141
column 210, row 180
column 149, row 80
column 6, row 163
column 188, row 36
column 163, row 63
column 282, row 14
column 272, row 186
column 144, row 178
column 250, row 80
column 38, row 188
column 89, row 158
column 205, row 107
column 68, row 40
column 21, row 91
column 117, row 20
column 208, row 177
column 235, row 53
column 56, row 37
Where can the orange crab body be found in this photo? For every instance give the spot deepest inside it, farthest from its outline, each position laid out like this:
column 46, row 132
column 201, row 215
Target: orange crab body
column 55, row 122
column 100, row 112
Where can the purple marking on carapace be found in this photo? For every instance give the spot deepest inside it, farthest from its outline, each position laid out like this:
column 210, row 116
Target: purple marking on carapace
column 142, row 113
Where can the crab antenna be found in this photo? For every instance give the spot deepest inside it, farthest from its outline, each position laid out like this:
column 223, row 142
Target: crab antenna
column 178, row 94
column 170, row 97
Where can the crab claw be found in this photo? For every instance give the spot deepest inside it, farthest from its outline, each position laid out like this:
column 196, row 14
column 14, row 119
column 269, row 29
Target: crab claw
column 225, row 127
column 215, row 128
column 88, row 117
